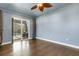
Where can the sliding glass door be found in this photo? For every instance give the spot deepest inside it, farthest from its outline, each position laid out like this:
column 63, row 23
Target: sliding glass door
column 19, row 29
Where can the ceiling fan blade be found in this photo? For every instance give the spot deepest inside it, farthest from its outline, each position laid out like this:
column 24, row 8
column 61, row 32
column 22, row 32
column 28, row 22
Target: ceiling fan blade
column 34, row 7
column 47, row 5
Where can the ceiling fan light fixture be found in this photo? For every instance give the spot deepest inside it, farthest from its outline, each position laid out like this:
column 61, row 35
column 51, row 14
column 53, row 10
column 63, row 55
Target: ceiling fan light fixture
column 40, row 5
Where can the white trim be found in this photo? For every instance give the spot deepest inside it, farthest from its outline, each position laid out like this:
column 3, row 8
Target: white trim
column 65, row 44
column 6, row 43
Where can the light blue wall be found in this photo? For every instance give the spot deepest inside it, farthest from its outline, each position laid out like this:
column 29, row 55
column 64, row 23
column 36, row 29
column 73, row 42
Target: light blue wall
column 7, row 24
column 61, row 26
column 7, row 30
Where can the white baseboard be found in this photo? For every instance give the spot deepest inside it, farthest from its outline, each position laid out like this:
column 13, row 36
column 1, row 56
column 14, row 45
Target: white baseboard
column 6, row 43
column 65, row 44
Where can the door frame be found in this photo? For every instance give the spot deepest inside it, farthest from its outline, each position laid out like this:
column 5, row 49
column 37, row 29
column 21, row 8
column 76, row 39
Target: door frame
column 12, row 29
column 1, row 34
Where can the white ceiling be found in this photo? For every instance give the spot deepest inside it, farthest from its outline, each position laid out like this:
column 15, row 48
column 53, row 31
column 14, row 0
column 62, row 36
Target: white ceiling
column 25, row 8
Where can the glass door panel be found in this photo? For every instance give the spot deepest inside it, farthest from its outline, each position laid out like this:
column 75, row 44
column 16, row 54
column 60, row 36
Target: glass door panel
column 16, row 29
column 24, row 30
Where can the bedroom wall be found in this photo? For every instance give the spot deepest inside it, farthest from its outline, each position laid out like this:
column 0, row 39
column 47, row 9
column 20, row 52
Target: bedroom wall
column 60, row 26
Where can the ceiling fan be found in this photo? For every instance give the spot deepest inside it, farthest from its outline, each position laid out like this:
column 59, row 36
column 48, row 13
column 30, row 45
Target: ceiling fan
column 41, row 6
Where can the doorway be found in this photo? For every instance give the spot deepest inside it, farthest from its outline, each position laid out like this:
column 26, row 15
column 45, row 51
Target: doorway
column 19, row 29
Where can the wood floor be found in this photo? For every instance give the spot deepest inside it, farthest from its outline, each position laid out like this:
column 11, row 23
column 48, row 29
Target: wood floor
column 37, row 48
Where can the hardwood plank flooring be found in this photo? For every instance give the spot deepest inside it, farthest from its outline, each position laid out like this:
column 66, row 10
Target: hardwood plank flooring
column 37, row 48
